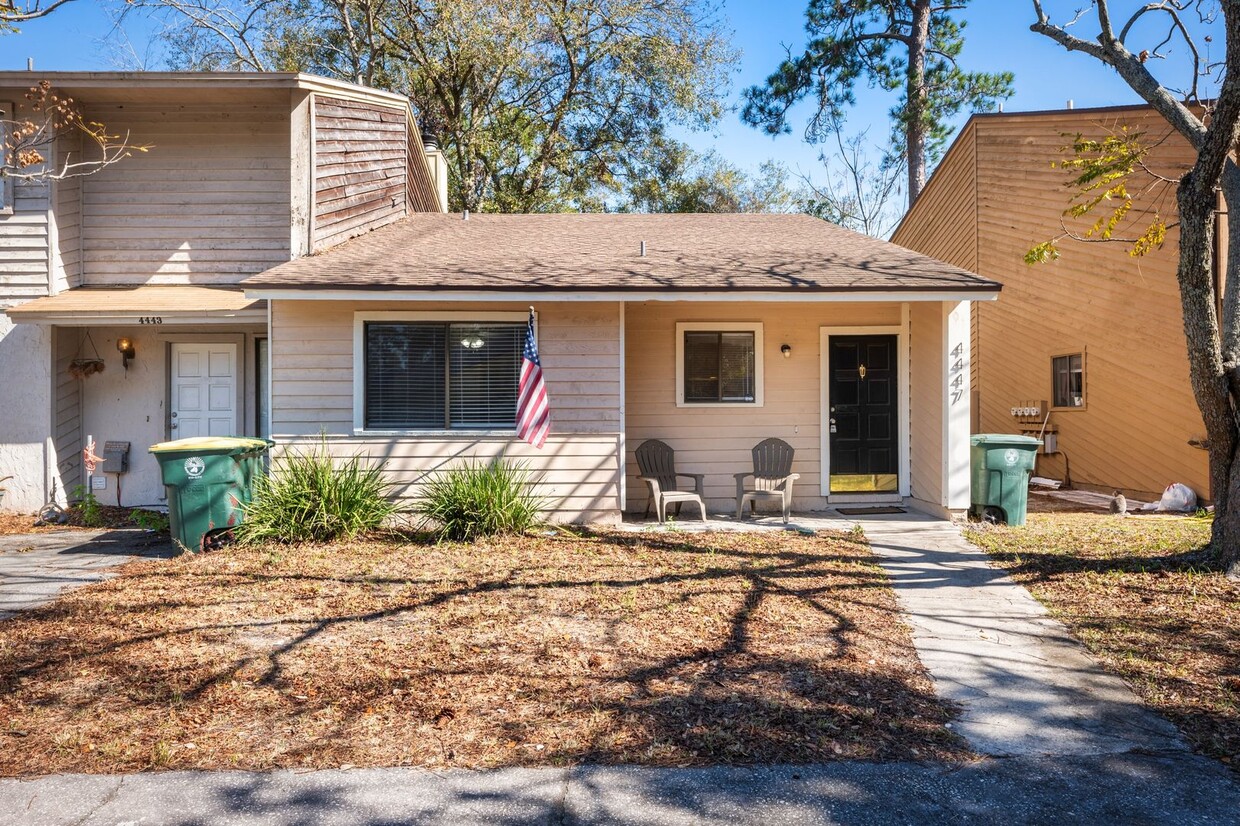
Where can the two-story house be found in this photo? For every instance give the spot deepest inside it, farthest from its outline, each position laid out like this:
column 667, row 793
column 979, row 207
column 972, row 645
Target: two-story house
column 279, row 263
column 1088, row 349
column 243, row 172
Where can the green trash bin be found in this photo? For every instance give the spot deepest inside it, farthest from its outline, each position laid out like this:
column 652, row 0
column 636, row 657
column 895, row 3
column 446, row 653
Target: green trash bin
column 209, row 481
column 1001, row 465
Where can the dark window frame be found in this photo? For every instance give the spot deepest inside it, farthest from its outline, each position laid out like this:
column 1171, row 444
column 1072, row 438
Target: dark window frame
column 719, row 397
column 453, row 415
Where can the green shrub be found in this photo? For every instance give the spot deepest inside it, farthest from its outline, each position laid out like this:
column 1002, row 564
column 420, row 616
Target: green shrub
column 478, row 499
column 309, row 497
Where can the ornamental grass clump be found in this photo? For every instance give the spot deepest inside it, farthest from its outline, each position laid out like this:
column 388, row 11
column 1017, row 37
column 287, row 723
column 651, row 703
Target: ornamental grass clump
column 477, row 499
column 310, row 497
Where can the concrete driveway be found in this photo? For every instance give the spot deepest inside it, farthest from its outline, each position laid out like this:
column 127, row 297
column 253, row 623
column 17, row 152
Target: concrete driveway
column 36, row 567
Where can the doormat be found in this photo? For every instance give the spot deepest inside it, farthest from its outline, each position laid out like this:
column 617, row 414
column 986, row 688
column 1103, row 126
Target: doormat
column 870, row 511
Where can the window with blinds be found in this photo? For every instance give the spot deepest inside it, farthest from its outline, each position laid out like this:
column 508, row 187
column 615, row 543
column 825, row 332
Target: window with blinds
column 719, row 367
column 442, row 376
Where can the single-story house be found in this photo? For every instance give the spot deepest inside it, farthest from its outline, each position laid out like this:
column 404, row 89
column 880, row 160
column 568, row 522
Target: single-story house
column 709, row 332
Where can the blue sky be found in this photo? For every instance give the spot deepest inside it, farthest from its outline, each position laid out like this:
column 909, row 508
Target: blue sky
column 998, row 37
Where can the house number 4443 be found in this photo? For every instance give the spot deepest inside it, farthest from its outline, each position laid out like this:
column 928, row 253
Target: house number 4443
column 150, row 319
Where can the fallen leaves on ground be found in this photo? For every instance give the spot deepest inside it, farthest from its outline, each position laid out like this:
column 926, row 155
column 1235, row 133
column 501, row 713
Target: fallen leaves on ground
column 1140, row 593
column 660, row 649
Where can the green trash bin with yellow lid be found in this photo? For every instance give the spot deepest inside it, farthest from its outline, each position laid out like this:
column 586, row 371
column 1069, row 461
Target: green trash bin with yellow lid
column 210, row 481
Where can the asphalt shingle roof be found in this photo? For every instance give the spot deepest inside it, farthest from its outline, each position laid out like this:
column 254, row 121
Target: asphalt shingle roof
column 602, row 252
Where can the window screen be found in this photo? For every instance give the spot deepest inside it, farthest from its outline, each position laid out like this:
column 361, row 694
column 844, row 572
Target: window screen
column 719, row 367
column 435, row 376
column 1068, row 377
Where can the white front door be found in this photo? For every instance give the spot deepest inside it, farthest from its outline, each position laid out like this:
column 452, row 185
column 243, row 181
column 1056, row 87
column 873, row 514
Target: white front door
column 204, row 390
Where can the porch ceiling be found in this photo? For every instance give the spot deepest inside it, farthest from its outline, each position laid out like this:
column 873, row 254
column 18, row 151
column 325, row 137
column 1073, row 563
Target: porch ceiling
column 179, row 304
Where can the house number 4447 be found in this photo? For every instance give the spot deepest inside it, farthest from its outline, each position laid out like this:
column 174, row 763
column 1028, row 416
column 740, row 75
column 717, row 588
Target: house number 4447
column 150, row 319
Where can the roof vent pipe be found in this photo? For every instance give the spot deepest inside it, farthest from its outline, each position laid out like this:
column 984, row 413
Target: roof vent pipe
column 1070, row 104
column 465, row 215
column 30, row 64
column 643, row 249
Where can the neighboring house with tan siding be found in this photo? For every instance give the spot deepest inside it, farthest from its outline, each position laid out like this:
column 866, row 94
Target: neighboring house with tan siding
column 244, row 171
column 1097, row 334
column 281, row 265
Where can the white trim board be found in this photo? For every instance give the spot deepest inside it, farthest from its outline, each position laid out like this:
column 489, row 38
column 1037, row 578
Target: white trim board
column 901, row 332
column 526, row 297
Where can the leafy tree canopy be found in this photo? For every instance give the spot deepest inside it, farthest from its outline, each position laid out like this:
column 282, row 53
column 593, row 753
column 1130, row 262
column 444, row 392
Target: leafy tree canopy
column 909, row 46
column 537, row 103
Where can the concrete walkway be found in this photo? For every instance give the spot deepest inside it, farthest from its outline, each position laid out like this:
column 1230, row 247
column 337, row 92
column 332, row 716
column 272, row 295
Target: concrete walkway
column 1027, row 687
column 36, row 567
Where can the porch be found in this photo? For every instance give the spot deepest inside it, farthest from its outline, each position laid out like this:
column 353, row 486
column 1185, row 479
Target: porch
column 160, row 362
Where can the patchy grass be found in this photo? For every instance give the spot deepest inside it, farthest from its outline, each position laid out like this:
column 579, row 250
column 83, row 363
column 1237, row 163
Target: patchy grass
column 1140, row 594
column 658, row 649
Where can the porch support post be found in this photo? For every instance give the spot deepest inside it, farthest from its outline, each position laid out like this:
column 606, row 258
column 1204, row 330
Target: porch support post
column 956, row 401
column 621, row 446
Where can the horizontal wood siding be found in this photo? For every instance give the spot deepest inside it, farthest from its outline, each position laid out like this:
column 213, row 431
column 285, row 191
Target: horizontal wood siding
column 718, row 441
column 926, row 402
column 1123, row 313
column 312, row 394
column 67, row 221
column 943, row 224
column 67, row 421
column 207, row 204
column 24, row 239
column 361, row 168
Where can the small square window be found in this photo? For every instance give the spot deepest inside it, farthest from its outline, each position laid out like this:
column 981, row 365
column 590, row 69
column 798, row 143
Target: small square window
column 1068, row 380
column 719, row 364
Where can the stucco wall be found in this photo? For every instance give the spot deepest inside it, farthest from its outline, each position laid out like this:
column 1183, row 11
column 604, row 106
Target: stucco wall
column 132, row 405
column 25, row 419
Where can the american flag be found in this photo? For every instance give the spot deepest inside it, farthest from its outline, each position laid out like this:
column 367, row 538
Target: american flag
column 533, row 412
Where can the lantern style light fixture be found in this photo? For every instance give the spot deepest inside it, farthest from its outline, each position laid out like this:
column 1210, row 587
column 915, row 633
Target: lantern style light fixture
column 786, row 350
column 125, row 347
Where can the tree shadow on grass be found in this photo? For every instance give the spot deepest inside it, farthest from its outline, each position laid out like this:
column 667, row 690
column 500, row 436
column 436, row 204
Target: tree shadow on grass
column 603, row 647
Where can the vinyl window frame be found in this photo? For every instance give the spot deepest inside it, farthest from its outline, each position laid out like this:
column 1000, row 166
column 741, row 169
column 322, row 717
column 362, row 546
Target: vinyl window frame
column 360, row 320
column 754, row 327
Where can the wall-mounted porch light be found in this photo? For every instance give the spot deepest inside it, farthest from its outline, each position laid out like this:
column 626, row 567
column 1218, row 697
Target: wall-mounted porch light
column 786, row 350
column 125, row 347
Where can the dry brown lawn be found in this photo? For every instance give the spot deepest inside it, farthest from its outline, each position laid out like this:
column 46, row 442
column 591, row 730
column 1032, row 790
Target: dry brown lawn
column 661, row 648
column 1147, row 601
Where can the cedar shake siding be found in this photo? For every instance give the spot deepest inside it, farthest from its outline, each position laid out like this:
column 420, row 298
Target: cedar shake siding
column 993, row 197
column 361, row 168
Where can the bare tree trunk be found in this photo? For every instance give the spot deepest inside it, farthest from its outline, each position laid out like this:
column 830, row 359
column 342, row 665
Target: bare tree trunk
column 915, row 90
column 1210, row 380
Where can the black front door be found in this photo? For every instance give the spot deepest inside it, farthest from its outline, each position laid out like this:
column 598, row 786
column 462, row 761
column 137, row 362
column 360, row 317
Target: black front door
column 863, row 421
